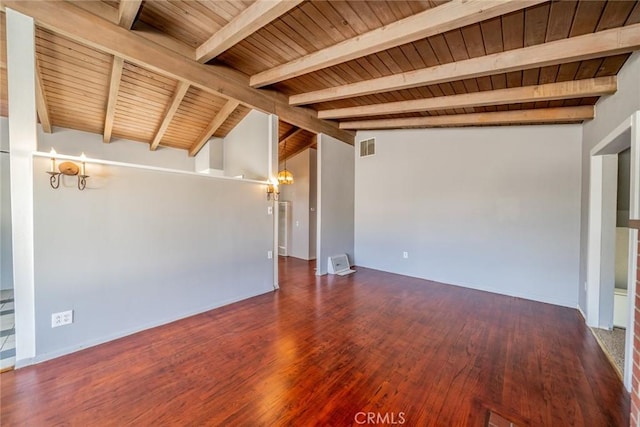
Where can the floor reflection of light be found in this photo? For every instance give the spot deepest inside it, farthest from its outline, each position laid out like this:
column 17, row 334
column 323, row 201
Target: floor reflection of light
column 276, row 387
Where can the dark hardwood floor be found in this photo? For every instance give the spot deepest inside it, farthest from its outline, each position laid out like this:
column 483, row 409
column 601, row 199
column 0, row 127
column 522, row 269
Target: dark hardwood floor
column 329, row 351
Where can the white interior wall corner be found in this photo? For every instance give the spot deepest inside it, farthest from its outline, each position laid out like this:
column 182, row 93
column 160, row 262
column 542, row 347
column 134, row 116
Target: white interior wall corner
column 23, row 141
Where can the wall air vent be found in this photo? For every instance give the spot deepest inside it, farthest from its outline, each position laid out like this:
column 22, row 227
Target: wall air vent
column 368, row 147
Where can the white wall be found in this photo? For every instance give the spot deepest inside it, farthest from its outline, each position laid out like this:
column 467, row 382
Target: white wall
column 73, row 142
column 216, row 153
column 210, row 158
column 496, row 208
column 335, row 210
column 611, row 111
column 298, row 194
column 140, row 248
column 247, row 146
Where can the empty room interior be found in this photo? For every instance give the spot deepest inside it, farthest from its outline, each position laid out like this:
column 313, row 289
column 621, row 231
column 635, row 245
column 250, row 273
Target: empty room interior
column 314, row 212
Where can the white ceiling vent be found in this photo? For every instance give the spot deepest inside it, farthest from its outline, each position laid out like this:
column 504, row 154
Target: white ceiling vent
column 368, row 147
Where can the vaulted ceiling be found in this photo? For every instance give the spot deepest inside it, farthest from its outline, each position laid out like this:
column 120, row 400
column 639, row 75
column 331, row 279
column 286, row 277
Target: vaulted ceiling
column 174, row 73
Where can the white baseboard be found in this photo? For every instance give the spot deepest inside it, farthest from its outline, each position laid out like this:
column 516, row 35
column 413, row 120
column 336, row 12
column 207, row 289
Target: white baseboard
column 479, row 287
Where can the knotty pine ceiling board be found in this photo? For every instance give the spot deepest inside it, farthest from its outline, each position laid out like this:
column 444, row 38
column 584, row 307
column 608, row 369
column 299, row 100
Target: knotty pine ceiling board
column 143, row 99
column 196, row 111
column 191, row 22
column 311, row 26
column 535, row 25
column 75, row 81
column 295, row 143
column 283, row 128
column 74, row 75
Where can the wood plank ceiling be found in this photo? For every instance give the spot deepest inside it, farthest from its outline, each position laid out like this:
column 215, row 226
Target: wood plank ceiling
column 350, row 64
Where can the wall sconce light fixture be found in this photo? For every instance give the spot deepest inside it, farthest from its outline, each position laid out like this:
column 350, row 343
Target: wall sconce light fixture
column 67, row 168
column 272, row 191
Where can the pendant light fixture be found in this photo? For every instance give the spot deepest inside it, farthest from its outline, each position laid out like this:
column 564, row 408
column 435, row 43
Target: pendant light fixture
column 284, row 176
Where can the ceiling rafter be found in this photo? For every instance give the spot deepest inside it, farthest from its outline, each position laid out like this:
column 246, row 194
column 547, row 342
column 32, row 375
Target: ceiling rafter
column 127, row 12
column 84, row 27
column 250, row 20
column 541, row 115
column 114, row 88
column 289, row 134
column 128, row 9
column 41, row 102
column 217, row 121
column 596, row 45
column 545, row 92
column 437, row 20
column 178, row 95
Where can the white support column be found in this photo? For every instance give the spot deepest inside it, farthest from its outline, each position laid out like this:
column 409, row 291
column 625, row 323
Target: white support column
column 593, row 255
column 273, row 174
column 22, row 142
column 320, row 152
column 601, row 249
column 608, row 240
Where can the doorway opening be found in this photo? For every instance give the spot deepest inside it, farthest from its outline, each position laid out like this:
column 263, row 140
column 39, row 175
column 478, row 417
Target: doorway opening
column 296, row 207
column 609, row 234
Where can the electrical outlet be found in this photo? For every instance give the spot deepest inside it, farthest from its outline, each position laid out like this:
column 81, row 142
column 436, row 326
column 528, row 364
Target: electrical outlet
column 405, row 255
column 269, row 254
column 62, row 318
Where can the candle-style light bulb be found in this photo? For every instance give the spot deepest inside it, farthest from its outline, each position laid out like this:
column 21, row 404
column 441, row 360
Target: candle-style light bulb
column 83, row 158
column 53, row 159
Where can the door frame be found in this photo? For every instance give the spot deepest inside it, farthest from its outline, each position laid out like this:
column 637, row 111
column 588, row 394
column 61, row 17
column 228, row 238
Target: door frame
column 601, row 232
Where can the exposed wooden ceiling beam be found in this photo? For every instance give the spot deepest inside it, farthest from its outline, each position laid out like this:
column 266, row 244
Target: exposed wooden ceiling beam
column 157, row 37
column 542, row 115
column 178, row 95
column 110, row 13
column 250, row 20
column 99, row 8
column 437, row 20
column 545, row 92
column 79, row 25
column 603, row 43
column 41, row 102
column 127, row 12
column 289, row 134
column 114, row 87
column 217, row 121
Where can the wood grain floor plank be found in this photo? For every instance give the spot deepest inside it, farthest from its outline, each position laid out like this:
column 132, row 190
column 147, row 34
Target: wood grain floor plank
column 323, row 349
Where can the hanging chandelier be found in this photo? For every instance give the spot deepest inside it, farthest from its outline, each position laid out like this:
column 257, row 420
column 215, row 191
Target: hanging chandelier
column 284, row 176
